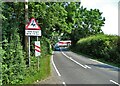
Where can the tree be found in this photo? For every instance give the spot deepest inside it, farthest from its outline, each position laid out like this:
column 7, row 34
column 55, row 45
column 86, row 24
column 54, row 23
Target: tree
column 83, row 22
column 51, row 17
column 13, row 64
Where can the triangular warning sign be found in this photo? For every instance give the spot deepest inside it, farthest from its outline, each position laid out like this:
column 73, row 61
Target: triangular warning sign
column 33, row 25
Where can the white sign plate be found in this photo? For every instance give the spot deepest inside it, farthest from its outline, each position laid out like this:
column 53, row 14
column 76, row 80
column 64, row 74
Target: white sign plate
column 37, row 48
column 33, row 32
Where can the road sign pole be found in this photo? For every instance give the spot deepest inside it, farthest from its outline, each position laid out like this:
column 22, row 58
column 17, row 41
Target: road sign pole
column 38, row 62
column 37, row 38
column 38, row 56
column 29, row 50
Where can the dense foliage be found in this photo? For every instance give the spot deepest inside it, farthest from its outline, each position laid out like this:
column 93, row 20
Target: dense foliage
column 13, row 64
column 14, row 60
column 66, row 20
column 104, row 47
column 83, row 22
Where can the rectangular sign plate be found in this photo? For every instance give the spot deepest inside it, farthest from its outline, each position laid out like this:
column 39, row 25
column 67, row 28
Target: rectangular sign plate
column 37, row 48
column 33, row 32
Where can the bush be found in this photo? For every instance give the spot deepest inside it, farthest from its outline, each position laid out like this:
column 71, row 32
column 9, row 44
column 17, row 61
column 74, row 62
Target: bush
column 14, row 69
column 13, row 64
column 1, row 55
column 105, row 47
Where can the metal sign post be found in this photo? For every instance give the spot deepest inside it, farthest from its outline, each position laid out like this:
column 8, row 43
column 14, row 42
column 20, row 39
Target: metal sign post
column 38, row 62
column 37, row 38
column 38, row 56
column 29, row 50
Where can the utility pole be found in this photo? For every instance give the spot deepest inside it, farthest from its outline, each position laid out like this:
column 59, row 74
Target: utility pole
column 26, row 21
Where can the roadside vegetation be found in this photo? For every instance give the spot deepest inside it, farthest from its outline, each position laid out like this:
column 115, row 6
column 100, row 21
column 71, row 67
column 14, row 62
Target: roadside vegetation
column 105, row 48
column 33, row 74
column 15, row 69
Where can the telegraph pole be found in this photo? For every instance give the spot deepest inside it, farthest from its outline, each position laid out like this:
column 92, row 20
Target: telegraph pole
column 26, row 37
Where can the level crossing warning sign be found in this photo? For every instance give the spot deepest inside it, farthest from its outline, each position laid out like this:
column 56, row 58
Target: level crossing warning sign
column 32, row 28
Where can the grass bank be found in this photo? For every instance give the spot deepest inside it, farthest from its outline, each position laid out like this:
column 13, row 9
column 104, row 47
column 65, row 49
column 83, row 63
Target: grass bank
column 105, row 48
column 32, row 73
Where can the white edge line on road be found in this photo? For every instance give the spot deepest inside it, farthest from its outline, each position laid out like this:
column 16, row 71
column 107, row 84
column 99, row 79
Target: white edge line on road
column 74, row 60
column 114, row 82
column 64, row 84
column 55, row 67
column 96, row 61
column 104, row 63
column 52, row 52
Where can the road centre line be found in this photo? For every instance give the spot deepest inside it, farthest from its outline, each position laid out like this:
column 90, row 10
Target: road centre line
column 114, row 82
column 74, row 60
column 88, row 67
column 55, row 67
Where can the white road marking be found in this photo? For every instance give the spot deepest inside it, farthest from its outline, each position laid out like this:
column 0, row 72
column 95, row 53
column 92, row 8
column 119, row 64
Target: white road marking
column 115, row 82
column 64, row 84
column 74, row 60
column 88, row 67
column 52, row 52
column 55, row 67
column 104, row 64
column 96, row 61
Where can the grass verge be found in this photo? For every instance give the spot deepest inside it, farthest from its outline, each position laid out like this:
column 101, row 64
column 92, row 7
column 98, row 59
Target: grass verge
column 101, row 60
column 33, row 74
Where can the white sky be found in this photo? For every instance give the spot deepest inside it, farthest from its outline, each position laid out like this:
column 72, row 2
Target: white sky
column 110, row 12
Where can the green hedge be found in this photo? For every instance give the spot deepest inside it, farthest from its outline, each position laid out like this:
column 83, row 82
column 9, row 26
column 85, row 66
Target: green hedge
column 106, row 47
column 13, row 63
column 15, row 70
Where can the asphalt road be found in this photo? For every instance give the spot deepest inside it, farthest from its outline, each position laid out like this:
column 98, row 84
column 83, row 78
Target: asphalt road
column 72, row 68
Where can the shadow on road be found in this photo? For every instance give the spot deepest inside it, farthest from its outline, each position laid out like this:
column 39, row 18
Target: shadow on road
column 105, row 66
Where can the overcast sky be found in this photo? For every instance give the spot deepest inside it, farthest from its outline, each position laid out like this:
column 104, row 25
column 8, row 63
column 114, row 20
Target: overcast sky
column 110, row 12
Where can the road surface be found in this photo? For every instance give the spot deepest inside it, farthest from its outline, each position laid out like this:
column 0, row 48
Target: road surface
column 72, row 69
